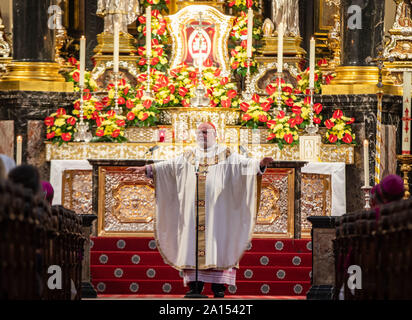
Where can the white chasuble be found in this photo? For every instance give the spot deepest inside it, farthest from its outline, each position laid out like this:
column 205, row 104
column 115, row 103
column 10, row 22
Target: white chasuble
column 227, row 188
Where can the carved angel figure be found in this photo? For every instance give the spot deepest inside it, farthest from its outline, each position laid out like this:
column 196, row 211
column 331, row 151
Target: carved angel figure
column 123, row 12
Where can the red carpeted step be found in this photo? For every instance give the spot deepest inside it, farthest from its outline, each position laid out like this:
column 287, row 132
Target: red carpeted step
column 168, row 273
column 154, row 258
column 173, row 287
column 149, row 244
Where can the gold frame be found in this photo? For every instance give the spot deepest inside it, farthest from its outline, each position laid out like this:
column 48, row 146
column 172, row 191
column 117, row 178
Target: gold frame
column 306, row 233
column 69, row 180
column 291, row 208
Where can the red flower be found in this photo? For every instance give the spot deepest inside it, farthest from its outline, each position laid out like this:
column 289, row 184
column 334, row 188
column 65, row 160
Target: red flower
column 213, row 103
column 99, row 121
column 155, row 42
column 333, row 138
column 129, row 104
column 72, row 61
column 243, row 32
column 271, row 123
column 192, row 74
column 235, row 65
column 231, row 93
column 249, row 3
column 246, row 117
column 185, row 104
column 243, row 44
column 298, row 78
column 296, row 110
column 154, row 61
column 183, row 91
column 111, row 113
column 98, row 106
column 50, row 135
column 270, row 89
column 76, row 105
column 61, row 112
column 347, row 138
column 76, row 76
column 217, row 72
column 166, row 100
column 121, row 100
column 317, row 108
column 142, row 77
column 244, row 106
column 352, row 120
column 172, row 88
column 120, row 123
column 306, row 100
column 233, row 52
column 49, row 121
column 316, row 77
column 87, row 97
column 281, row 114
column 328, row 79
column 226, row 103
column 126, row 91
column 147, row 104
column 130, row 116
column 145, row 116
column 256, row 98
column 263, row 118
column 100, row 132
column 329, row 124
column 106, row 101
column 299, row 120
column 287, row 89
column 208, row 63
column 271, row 136
column 337, row 114
column 115, row 133
column 288, row 138
column 266, row 106
column 159, row 51
column 316, row 120
column 292, row 122
column 155, row 13
column 71, row 121
column 224, row 81
column 231, row 4
column 289, row 102
column 142, row 19
column 122, row 82
column 66, row 136
column 282, row 81
column 139, row 94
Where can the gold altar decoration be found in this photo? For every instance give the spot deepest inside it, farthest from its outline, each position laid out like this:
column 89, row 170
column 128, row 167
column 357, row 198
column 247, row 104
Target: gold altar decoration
column 131, row 151
column 220, row 25
column 39, row 76
column 325, row 10
column 405, row 162
column 180, row 4
column 399, row 48
column 4, row 45
column 316, row 199
column 129, row 202
column 77, row 191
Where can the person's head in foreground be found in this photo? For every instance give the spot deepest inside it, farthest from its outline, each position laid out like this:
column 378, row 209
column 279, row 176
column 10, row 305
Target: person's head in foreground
column 206, row 135
column 390, row 189
column 48, row 191
column 28, row 176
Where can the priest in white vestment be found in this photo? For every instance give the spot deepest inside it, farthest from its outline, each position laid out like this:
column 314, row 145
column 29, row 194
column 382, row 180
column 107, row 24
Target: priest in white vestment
column 227, row 199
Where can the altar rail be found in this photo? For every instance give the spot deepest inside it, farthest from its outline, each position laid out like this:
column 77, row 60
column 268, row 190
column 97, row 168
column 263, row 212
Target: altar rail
column 35, row 236
column 379, row 241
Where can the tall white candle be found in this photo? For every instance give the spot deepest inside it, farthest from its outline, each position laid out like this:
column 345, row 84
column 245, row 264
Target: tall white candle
column 249, row 32
column 82, row 59
column 116, row 48
column 312, row 64
column 149, row 31
column 366, row 162
column 280, row 47
column 406, row 123
column 19, row 148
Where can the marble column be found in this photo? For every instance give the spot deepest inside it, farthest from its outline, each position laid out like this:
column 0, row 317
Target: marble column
column 33, row 40
column 360, row 38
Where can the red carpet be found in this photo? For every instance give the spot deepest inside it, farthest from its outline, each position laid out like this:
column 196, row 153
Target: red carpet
column 133, row 266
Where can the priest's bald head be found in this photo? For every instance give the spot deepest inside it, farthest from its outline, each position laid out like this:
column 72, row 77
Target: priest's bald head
column 206, row 135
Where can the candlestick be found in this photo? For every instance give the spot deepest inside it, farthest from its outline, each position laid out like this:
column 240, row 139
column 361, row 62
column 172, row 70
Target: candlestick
column 19, row 148
column 280, row 47
column 366, row 162
column 312, row 128
column 116, row 48
column 249, row 32
column 312, row 63
column 406, row 119
column 367, row 195
column 148, row 32
column 82, row 129
column 247, row 94
column 82, row 59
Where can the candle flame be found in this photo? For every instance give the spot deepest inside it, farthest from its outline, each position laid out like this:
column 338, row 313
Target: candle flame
column 365, row 142
column 19, row 138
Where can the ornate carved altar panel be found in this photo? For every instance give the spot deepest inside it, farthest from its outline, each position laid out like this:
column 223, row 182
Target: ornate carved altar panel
column 77, row 191
column 315, row 200
column 127, row 203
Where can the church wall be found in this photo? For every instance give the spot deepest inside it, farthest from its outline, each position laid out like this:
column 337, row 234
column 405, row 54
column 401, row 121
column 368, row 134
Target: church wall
column 7, row 138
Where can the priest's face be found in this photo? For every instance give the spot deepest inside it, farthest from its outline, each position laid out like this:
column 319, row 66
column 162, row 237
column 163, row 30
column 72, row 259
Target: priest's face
column 206, row 135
